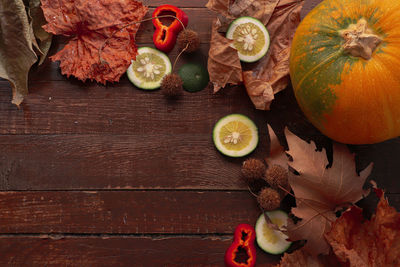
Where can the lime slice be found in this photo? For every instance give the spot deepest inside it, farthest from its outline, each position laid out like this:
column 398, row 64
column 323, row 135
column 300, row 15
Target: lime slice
column 272, row 241
column 235, row 135
column 149, row 68
column 250, row 38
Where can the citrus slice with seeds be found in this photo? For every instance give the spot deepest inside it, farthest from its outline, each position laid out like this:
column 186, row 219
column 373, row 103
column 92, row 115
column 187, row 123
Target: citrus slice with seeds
column 270, row 240
column 250, row 38
column 149, row 68
column 235, row 135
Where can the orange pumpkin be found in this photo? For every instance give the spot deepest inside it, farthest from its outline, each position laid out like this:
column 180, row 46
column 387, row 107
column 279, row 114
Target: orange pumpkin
column 345, row 69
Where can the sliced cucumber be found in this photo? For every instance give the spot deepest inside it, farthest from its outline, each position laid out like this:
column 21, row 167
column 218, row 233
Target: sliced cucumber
column 149, row 68
column 250, row 38
column 269, row 240
column 235, row 135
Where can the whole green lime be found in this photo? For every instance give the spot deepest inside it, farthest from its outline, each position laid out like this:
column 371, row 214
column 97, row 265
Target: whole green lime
column 194, row 76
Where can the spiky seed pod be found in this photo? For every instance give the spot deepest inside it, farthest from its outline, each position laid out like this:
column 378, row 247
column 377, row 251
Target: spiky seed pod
column 190, row 38
column 253, row 169
column 171, row 85
column 269, row 199
column 276, row 176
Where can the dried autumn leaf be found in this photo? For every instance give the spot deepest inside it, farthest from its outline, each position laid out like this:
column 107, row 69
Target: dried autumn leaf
column 90, row 24
column 223, row 60
column 301, row 258
column 16, row 49
column 43, row 38
column 270, row 74
column 259, row 9
column 362, row 243
column 276, row 153
column 320, row 191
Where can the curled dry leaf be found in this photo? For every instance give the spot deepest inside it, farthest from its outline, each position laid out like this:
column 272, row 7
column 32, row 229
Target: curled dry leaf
column 93, row 25
column 223, row 60
column 43, row 38
column 362, row 243
column 319, row 191
column 259, row 9
column 19, row 46
column 269, row 75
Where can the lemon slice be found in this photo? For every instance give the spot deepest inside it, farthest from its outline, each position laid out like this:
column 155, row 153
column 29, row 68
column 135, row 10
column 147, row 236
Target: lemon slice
column 272, row 241
column 235, row 135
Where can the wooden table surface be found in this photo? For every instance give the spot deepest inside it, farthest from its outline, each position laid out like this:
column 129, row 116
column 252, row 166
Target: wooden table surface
column 94, row 175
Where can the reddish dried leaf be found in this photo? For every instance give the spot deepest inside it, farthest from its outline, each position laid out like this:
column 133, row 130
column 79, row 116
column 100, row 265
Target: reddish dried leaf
column 90, row 24
column 373, row 243
column 301, row 258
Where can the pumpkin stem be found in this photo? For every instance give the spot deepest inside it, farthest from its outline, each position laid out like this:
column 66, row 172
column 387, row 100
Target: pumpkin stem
column 360, row 40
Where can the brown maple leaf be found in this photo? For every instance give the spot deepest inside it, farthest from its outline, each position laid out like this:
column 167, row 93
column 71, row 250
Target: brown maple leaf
column 319, row 191
column 362, row 243
column 91, row 24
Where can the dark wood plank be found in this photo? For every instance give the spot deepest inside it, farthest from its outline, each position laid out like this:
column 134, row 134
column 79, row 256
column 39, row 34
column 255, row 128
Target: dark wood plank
column 127, row 212
column 120, row 251
column 148, row 161
column 140, row 119
column 71, row 107
column 130, row 212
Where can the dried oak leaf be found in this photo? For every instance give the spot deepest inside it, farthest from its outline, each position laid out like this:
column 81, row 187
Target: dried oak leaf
column 320, row 191
column 223, row 60
column 362, row 243
column 301, row 258
column 91, row 24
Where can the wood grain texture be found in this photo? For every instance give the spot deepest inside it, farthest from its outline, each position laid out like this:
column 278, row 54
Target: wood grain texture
column 149, row 158
column 62, row 108
column 143, row 161
column 120, row 140
column 128, row 212
column 120, row 251
column 132, row 212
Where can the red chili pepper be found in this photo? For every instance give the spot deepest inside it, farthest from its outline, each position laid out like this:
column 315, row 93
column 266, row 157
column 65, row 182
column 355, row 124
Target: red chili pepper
column 164, row 37
column 243, row 240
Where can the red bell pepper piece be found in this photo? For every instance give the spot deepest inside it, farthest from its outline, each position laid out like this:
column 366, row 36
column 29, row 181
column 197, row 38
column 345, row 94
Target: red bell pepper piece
column 243, row 240
column 164, row 37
